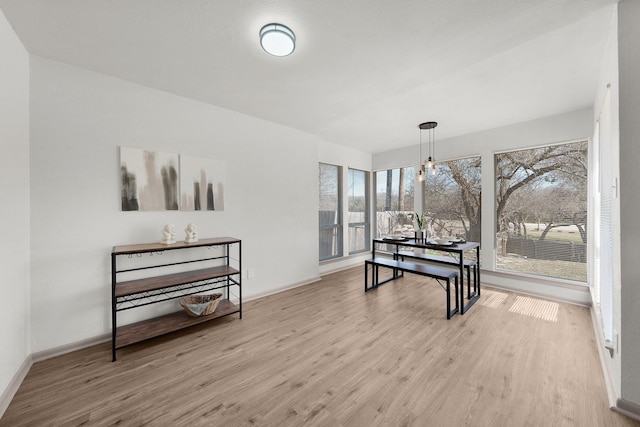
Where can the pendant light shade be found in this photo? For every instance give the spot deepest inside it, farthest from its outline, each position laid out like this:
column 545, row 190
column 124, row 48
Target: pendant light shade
column 277, row 39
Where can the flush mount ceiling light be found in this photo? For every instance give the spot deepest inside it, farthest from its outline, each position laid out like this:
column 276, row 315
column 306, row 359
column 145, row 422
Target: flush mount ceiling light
column 277, row 39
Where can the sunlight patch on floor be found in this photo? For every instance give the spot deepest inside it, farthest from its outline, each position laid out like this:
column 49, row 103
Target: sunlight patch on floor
column 545, row 310
column 492, row 299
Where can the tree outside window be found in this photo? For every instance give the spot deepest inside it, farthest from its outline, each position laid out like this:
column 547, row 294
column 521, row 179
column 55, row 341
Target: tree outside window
column 394, row 199
column 452, row 199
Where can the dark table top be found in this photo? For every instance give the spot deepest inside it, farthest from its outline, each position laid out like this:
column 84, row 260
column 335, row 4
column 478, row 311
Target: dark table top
column 419, row 243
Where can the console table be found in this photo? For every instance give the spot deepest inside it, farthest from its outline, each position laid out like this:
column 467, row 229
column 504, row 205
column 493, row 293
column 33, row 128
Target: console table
column 152, row 272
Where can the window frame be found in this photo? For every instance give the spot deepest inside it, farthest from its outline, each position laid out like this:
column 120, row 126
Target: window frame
column 425, row 205
column 409, row 177
column 367, row 212
column 587, row 206
column 337, row 226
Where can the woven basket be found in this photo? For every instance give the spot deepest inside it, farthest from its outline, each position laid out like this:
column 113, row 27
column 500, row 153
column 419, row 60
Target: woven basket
column 200, row 305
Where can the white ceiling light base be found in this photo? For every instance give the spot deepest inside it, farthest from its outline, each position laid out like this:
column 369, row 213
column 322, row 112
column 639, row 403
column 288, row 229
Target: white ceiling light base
column 277, row 39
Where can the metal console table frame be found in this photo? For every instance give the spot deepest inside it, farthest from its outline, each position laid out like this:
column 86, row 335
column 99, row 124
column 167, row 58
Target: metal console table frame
column 219, row 270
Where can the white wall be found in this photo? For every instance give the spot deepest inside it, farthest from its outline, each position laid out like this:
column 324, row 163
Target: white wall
column 14, row 215
column 548, row 130
column 629, row 72
column 78, row 121
column 335, row 154
column 563, row 127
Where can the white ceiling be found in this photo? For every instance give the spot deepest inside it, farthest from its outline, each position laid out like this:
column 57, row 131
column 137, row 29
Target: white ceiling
column 364, row 73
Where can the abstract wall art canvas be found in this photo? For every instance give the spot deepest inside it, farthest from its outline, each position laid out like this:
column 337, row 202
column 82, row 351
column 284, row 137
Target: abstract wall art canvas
column 149, row 180
column 201, row 184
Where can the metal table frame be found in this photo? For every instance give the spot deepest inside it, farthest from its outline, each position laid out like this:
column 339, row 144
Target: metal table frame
column 459, row 249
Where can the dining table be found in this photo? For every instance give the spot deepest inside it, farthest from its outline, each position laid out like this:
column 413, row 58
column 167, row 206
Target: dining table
column 456, row 248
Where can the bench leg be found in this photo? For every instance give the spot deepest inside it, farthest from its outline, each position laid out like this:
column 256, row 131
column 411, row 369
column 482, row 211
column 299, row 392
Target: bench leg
column 395, row 270
column 472, row 296
column 366, row 276
column 374, row 276
column 456, row 298
column 448, row 299
column 376, row 272
column 476, row 279
column 462, row 297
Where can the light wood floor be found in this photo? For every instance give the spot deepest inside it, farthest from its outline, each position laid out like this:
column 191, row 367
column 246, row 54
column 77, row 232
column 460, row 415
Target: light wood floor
column 328, row 354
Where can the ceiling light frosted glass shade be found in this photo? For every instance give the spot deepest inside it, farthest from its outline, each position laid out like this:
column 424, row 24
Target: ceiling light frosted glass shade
column 277, row 39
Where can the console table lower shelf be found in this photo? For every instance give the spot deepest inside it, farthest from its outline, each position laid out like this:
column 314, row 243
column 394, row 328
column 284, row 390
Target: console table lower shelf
column 151, row 328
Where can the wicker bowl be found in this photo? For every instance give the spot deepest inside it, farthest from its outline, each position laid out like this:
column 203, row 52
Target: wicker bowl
column 200, row 305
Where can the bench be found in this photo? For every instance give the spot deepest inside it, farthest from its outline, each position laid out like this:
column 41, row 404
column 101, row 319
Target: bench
column 447, row 260
column 437, row 273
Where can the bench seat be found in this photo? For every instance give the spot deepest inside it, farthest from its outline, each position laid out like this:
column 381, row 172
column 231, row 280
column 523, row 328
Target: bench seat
column 447, row 260
column 438, row 273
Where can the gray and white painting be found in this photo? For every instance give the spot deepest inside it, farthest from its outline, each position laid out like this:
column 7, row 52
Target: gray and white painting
column 201, row 184
column 149, row 180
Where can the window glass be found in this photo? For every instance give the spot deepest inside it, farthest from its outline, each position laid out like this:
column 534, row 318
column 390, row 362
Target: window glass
column 330, row 212
column 394, row 200
column 452, row 199
column 359, row 229
column 541, row 210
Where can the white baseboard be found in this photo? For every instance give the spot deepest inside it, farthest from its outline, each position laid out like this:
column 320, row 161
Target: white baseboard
column 343, row 263
column 282, row 289
column 562, row 291
column 68, row 348
column 603, row 354
column 627, row 408
column 14, row 384
column 616, row 403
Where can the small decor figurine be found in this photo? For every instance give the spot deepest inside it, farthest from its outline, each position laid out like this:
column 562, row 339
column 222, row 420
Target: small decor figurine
column 168, row 234
column 191, row 233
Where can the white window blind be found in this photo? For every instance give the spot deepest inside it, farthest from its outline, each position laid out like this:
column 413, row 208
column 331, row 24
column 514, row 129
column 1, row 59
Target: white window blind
column 604, row 259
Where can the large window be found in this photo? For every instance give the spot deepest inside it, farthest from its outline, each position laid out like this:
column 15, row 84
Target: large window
column 359, row 229
column 541, row 210
column 330, row 211
column 452, row 199
column 394, row 199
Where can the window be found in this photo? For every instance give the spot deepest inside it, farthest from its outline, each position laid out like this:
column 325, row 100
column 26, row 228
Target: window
column 359, row 229
column 330, row 211
column 452, row 199
column 394, row 199
column 541, row 210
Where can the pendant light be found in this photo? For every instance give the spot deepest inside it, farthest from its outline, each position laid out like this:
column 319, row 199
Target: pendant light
column 430, row 163
column 421, row 172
